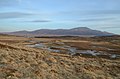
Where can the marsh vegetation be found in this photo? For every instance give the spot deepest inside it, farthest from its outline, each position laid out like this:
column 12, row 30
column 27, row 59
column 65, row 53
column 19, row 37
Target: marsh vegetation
column 59, row 58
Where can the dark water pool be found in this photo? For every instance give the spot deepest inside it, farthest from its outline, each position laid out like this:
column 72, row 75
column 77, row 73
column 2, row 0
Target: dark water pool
column 62, row 48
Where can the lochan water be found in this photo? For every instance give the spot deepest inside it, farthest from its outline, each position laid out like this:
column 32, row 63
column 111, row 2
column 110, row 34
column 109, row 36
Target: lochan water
column 62, row 48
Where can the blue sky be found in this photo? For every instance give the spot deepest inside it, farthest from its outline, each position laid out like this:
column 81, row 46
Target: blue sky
column 18, row 15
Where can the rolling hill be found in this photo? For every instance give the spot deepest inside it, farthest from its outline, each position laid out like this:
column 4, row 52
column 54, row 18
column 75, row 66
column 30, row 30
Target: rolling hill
column 80, row 31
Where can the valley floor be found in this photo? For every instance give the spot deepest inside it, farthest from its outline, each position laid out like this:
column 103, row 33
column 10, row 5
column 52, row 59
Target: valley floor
column 19, row 61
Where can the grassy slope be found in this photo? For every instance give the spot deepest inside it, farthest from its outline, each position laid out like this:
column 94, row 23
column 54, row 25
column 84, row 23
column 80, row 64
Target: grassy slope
column 20, row 62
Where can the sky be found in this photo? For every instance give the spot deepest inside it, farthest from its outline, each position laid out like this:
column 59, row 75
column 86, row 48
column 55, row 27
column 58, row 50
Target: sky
column 16, row 15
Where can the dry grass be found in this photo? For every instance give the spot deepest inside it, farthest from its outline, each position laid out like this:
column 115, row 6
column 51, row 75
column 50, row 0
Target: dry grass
column 20, row 62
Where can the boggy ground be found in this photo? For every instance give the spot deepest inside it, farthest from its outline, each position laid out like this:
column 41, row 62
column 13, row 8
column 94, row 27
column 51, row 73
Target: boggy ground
column 17, row 61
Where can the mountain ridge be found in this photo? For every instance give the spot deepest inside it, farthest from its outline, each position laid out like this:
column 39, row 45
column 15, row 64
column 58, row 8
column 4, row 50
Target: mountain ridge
column 78, row 31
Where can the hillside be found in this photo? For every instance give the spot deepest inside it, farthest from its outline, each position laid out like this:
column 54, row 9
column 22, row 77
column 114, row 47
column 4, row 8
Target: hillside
column 80, row 31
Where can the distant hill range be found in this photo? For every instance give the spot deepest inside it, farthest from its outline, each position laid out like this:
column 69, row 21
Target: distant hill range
column 80, row 31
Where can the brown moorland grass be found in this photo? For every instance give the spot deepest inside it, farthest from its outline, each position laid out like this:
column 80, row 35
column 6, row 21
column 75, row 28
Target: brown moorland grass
column 20, row 62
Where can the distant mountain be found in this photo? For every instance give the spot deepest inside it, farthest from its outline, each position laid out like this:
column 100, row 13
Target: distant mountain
column 80, row 31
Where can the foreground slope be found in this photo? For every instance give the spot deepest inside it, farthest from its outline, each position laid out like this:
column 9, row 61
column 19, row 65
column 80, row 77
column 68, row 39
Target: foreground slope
column 20, row 62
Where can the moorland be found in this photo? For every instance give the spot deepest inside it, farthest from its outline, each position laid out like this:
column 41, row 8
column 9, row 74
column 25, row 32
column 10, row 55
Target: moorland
column 64, row 57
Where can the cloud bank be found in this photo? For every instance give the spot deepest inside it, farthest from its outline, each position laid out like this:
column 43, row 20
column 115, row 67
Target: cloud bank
column 96, row 19
column 9, row 15
column 40, row 21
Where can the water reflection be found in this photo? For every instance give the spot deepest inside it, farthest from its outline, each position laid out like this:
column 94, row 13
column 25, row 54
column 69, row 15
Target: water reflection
column 62, row 48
